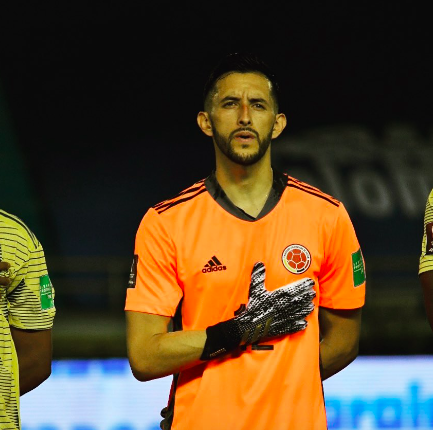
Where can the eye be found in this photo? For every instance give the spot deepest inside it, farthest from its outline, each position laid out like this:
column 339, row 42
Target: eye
column 229, row 104
column 259, row 106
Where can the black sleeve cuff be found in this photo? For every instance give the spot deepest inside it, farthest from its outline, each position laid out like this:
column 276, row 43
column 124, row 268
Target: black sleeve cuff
column 221, row 338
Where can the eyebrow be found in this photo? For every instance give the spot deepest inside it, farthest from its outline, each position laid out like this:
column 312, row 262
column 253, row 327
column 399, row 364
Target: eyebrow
column 252, row 100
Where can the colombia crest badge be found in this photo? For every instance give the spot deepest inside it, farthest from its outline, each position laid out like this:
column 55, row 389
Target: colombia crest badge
column 296, row 259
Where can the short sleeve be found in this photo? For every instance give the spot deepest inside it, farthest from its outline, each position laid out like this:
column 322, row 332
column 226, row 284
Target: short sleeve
column 342, row 275
column 153, row 286
column 426, row 259
column 30, row 297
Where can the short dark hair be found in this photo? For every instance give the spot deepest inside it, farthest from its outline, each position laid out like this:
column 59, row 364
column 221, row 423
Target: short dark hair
column 242, row 63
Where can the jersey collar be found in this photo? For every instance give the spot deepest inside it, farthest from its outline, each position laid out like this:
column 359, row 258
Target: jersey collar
column 278, row 186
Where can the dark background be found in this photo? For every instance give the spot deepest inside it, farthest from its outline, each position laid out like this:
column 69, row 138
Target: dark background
column 102, row 100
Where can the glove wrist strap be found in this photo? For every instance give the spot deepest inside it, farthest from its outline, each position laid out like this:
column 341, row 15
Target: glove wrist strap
column 221, row 338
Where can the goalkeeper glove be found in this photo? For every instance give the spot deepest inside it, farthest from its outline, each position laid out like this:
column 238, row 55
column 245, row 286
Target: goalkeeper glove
column 267, row 314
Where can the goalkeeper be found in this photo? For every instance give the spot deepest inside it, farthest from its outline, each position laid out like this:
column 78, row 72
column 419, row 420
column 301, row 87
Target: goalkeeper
column 246, row 354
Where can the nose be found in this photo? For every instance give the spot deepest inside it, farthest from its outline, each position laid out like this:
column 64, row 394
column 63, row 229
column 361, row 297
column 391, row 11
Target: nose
column 244, row 115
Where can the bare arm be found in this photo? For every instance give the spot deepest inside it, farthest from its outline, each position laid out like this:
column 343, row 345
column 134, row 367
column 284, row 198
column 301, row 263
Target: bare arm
column 34, row 352
column 340, row 330
column 153, row 352
column 427, row 286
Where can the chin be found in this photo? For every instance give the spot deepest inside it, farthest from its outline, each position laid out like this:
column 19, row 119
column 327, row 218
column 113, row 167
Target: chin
column 245, row 160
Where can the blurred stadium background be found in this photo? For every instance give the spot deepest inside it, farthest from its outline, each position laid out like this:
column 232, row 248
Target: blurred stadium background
column 97, row 123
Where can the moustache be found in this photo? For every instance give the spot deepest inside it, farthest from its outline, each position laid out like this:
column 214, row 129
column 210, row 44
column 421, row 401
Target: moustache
column 240, row 130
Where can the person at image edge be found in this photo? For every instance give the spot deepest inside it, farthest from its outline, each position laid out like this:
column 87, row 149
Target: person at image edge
column 26, row 317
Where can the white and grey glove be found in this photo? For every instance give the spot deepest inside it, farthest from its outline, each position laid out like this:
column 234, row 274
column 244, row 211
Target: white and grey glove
column 267, row 314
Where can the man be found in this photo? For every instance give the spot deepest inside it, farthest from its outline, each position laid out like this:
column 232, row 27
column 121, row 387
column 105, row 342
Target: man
column 426, row 260
column 247, row 356
column 26, row 317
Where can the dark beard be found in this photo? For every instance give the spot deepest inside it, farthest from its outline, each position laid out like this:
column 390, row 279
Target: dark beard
column 227, row 149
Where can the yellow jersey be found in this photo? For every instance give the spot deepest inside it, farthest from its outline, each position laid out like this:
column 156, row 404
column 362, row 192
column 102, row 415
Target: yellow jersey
column 27, row 303
column 426, row 259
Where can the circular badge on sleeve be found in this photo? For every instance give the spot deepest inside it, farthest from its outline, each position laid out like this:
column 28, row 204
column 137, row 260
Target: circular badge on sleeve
column 296, row 259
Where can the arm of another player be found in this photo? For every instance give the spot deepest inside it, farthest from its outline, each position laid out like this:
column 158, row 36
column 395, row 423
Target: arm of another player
column 426, row 260
column 153, row 352
column 340, row 331
column 31, row 311
column 426, row 279
column 34, row 351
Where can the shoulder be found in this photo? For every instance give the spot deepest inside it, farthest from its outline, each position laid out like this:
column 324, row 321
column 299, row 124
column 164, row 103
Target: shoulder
column 318, row 207
column 166, row 218
column 182, row 200
column 13, row 226
column 428, row 216
column 430, row 198
column 311, row 194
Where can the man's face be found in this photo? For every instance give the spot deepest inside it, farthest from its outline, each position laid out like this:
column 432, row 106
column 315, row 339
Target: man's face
column 242, row 116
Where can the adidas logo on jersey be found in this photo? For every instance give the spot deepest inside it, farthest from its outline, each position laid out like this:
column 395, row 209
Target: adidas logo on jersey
column 213, row 265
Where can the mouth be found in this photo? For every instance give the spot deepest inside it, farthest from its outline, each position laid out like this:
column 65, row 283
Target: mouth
column 244, row 136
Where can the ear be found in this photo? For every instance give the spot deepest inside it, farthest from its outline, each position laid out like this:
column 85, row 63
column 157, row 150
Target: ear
column 279, row 125
column 204, row 123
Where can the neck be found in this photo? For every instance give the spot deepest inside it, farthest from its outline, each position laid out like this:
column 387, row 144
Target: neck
column 247, row 187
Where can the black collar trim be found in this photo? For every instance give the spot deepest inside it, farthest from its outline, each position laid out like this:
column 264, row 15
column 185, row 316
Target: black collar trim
column 278, row 186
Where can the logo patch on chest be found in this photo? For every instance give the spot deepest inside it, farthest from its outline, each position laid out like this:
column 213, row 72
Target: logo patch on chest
column 296, row 259
column 213, row 265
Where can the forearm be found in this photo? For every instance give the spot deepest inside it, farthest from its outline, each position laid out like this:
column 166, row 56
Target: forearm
column 166, row 353
column 429, row 310
column 335, row 357
column 31, row 374
column 427, row 285
column 340, row 331
column 34, row 352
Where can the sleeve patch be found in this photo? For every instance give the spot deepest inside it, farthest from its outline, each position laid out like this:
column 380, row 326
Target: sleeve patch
column 46, row 292
column 133, row 274
column 358, row 268
column 429, row 236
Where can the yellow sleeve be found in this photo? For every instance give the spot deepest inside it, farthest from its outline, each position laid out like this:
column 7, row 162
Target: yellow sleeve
column 30, row 297
column 426, row 259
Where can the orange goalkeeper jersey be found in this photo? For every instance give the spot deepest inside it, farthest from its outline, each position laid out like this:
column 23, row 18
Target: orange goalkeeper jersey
column 193, row 259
